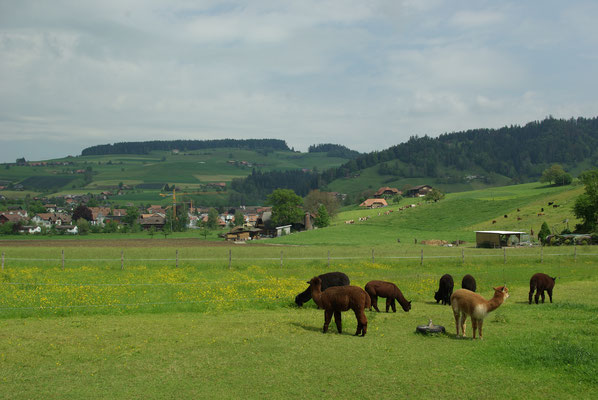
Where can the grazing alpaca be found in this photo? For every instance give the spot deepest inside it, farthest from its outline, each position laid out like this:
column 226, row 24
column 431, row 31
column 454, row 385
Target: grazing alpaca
column 541, row 282
column 468, row 283
column 341, row 298
column 388, row 290
column 328, row 280
column 445, row 289
column 465, row 302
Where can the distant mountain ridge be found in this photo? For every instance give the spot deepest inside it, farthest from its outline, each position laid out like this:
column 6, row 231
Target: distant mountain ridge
column 184, row 145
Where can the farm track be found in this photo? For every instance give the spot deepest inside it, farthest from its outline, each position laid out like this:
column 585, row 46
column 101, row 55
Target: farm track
column 182, row 242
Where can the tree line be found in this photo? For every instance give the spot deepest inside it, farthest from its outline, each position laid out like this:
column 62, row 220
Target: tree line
column 184, row 145
column 521, row 153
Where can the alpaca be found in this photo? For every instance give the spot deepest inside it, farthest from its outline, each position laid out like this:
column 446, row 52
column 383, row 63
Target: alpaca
column 341, row 298
column 465, row 302
column 541, row 282
column 388, row 290
column 468, row 283
column 445, row 289
column 328, row 280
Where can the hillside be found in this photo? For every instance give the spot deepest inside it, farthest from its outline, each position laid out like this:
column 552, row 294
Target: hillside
column 145, row 175
column 454, row 218
column 466, row 160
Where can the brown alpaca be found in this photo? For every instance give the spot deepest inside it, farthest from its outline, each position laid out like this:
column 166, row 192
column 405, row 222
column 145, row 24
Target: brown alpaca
column 336, row 299
column 541, row 282
column 465, row 302
column 388, row 290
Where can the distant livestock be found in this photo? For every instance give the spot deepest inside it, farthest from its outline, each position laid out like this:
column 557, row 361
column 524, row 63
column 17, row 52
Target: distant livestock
column 540, row 214
column 550, row 203
column 336, row 299
column 467, row 303
column 494, row 221
column 518, row 218
column 541, row 282
column 388, row 290
column 468, row 283
column 555, row 205
column 506, row 216
column 445, row 289
column 327, row 280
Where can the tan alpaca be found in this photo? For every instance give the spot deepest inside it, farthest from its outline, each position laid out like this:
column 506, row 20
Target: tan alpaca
column 466, row 302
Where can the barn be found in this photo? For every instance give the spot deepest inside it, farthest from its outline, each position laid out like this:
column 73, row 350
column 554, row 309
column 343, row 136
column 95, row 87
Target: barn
column 493, row 239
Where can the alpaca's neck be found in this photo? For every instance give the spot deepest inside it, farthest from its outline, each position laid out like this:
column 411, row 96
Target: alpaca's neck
column 316, row 294
column 494, row 302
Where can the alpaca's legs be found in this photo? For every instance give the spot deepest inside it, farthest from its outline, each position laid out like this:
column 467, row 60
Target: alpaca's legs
column 550, row 294
column 463, row 318
column 456, row 315
column 543, row 297
column 480, row 323
column 327, row 318
column 537, row 296
column 374, row 299
column 338, row 322
column 474, row 325
column 390, row 302
column 531, row 292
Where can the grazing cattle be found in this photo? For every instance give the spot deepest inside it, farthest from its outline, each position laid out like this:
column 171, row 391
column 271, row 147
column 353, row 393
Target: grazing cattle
column 555, row 206
column 388, row 290
column 494, row 221
column 445, row 289
column 550, row 203
column 518, row 210
column 329, row 279
column 540, row 214
column 541, row 282
column 469, row 283
column 506, row 216
column 336, row 299
column 518, row 218
column 466, row 302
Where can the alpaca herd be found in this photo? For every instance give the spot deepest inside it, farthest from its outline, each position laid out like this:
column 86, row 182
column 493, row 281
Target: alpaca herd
column 333, row 293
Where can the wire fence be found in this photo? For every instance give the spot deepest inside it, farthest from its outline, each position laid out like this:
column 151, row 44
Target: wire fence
column 462, row 256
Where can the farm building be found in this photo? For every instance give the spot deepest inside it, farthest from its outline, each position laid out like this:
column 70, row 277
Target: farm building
column 494, row 239
column 386, row 191
column 419, row 191
column 374, row 203
column 243, row 233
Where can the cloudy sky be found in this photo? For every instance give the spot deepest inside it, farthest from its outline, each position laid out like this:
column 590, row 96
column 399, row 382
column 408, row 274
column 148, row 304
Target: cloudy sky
column 366, row 74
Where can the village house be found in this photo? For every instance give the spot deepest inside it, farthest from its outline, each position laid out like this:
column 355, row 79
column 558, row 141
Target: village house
column 99, row 215
column 387, row 192
column 148, row 220
column 419, row 191
column 51, row 219
column 14, row 218
column 374, row 203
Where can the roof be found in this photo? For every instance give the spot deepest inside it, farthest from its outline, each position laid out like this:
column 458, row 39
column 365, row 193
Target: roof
column 385, row 188
column 503, row 232
column 369, row 202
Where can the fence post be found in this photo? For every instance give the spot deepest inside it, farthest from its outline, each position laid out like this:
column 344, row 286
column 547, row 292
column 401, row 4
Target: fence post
column 62, row 258
column 504, row 252
column 462, row 255
column 281, row 258
column 230, row 258
column 421, row 261
column 122, row 259
column 373, row 257
column 328, row 258
column 541, row 254
column 2, row 261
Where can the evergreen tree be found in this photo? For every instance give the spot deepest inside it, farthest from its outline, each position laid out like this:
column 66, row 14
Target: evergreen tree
column 322, row 218
column 586, row 205
column 544, row 231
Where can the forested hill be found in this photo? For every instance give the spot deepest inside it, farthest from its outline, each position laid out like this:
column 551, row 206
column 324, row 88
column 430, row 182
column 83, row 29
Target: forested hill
column 519, row 153
column 184, row 145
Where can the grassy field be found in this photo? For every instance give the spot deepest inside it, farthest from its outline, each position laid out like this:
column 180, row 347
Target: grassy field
column 203, row 330
column 189, row 318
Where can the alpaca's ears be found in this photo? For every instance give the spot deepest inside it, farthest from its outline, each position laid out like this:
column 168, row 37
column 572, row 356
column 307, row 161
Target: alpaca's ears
column 554, row 279
column 409, row 302
column 309, row 282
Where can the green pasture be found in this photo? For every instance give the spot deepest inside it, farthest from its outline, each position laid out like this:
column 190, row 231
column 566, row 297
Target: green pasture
column 207, row 329
column 456, row 217
column 184, row 168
